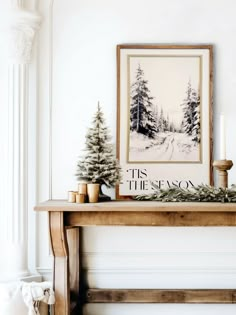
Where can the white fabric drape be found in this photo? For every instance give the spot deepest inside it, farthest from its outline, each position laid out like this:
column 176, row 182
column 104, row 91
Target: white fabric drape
column 35, row 292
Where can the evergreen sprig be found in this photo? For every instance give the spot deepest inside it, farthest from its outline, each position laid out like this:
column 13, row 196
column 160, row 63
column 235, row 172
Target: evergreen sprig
column 200, row 193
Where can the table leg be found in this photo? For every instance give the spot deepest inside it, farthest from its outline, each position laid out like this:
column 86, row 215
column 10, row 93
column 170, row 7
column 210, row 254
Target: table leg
column 74, row 244
column 61, row 263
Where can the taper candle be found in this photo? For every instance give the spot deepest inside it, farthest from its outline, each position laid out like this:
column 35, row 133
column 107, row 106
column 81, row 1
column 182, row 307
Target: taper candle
column 222, row 138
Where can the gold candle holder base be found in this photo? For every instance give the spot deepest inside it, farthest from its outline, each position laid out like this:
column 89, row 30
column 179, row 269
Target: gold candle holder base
column 222, row 166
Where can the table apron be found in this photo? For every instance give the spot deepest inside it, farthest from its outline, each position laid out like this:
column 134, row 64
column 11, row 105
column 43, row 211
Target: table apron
column 150, row 218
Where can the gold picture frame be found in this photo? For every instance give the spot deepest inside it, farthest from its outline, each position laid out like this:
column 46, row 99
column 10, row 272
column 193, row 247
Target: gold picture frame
column 164, row 117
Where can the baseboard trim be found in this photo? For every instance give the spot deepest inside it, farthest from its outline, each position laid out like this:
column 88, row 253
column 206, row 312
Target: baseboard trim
column 46, row 273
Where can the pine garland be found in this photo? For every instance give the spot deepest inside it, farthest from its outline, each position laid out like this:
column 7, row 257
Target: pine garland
column 200, row 193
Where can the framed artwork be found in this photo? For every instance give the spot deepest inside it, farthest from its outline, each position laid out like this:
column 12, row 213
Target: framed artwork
column 164, row 117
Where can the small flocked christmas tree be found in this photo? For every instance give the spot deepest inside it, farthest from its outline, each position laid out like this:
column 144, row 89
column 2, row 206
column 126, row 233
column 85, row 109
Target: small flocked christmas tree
column 99, row 164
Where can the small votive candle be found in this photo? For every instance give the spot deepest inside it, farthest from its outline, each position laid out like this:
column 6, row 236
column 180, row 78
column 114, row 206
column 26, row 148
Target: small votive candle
column 82, row 188
column 72, row 196
column 80, row 198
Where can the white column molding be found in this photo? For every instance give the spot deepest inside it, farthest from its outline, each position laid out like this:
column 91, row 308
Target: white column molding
column 23, row 27
column 17, row 3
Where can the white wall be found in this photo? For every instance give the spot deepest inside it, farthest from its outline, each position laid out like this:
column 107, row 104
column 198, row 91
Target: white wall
column 77, row 67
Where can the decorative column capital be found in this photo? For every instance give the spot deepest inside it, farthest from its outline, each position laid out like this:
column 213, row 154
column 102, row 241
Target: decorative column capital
column 23, row 27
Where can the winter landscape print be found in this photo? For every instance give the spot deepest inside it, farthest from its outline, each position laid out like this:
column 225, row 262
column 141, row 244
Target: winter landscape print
column 164, row 109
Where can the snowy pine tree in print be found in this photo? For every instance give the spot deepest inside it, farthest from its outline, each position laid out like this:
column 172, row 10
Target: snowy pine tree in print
column 142, row 119
column 157, row 117
column 164, row 112
column 197, row 122
column 191, row 109
column 161, row 121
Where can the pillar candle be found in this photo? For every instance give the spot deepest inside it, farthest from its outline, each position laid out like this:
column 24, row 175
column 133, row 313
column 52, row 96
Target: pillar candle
column 82, row 188
column 80, row 198
column 71, row 196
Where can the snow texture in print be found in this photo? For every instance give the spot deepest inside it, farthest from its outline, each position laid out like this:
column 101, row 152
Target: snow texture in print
column 164, row 109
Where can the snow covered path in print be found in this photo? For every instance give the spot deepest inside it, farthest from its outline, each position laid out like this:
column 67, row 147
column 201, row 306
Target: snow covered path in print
column 169, row 146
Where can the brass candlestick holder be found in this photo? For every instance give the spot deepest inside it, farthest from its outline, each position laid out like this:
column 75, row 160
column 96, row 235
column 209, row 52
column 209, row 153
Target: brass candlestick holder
column 222, row 167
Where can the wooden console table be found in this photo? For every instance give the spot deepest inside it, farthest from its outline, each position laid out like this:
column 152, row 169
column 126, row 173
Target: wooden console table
column 65, row 220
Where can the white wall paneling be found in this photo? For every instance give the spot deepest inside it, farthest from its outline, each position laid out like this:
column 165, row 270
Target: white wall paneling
column 4, row 7
column 77, row 67
column 44, row 122
column 22, row 29
column 159, row 257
